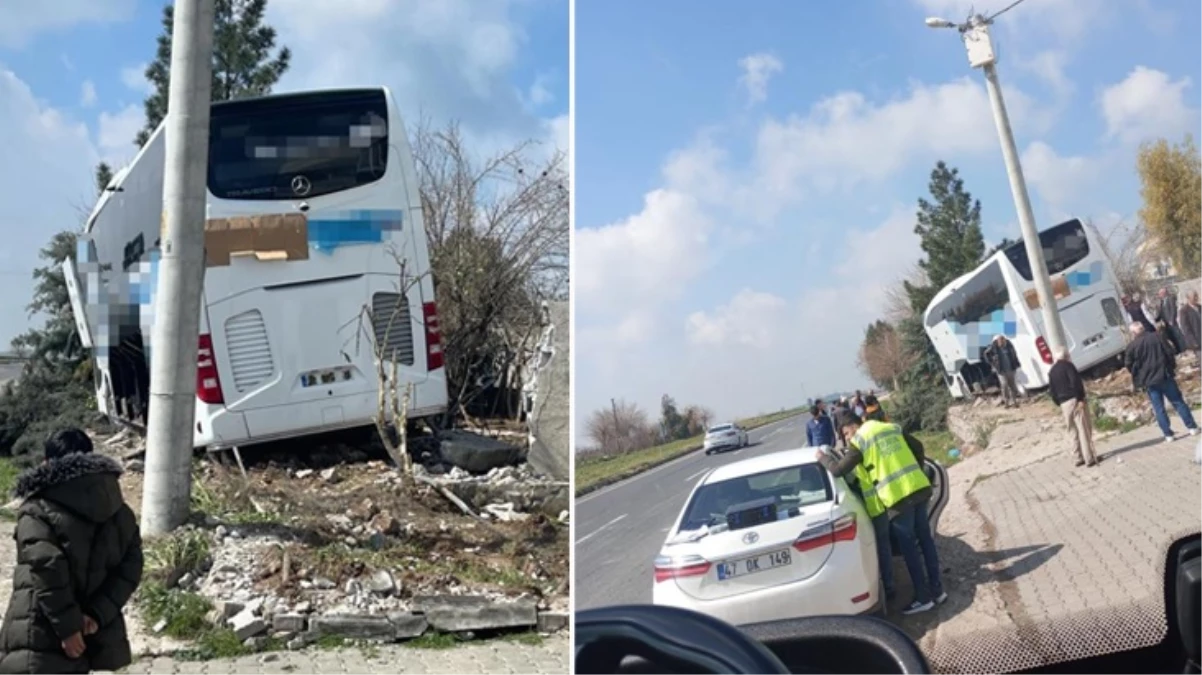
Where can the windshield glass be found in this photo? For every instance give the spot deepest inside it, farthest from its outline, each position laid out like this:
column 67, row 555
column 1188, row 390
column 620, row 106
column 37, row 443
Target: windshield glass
column 792, row 488
column 294, row 147
column 719, row 429
column 1063, row 246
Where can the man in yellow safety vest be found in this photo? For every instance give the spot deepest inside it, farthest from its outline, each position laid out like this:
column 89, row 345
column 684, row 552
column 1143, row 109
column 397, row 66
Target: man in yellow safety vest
column 891, row 478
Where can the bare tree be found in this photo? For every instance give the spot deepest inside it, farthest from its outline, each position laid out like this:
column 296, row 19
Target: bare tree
column 882, row 357
column 620, row 428
column 1126, row 245
column 897, row 301
column 498, row 231
column 698, row 418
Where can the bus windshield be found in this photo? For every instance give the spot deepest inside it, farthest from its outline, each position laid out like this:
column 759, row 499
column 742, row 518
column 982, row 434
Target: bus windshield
column 1063, row 246
column 297, row 146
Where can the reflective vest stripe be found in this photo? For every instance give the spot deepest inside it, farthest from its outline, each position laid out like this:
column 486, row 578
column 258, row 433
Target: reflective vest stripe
column 895, row 475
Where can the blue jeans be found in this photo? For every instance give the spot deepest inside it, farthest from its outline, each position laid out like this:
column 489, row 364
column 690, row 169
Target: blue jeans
column 1157, row 393
column 884, row 551
column 913, row 528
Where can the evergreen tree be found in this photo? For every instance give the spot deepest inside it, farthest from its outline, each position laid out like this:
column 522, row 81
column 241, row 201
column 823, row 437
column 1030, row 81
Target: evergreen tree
column 245, row 61
column 950, row 229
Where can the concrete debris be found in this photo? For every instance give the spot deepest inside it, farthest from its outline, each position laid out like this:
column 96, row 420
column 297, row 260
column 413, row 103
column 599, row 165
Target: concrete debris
column 453, row 614
column 547, row 395
column 477, row 454
column 504, row 512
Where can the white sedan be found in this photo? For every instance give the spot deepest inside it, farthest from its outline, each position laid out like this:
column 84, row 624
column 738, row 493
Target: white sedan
column 725, row 437
column 772, row 537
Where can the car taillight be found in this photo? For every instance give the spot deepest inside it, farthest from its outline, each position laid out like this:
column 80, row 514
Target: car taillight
column 843, row 529
column 667, row 568
column 208, row 385
column 1044, row 353
column 434, row 359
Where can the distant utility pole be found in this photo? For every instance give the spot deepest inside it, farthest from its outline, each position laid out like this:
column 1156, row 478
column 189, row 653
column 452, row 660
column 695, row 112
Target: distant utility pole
column 166, row 495
column 981, row 55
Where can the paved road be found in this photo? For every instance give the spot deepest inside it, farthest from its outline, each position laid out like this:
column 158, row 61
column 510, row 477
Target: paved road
column 619, row 529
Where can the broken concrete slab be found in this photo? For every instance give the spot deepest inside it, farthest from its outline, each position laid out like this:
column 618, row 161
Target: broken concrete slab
column 456, row 613
column 355, row 626
column 408, row 625
column 547, row 397
column 553, row 622
column 289, row 623
column 477, row 454
column 246, row 625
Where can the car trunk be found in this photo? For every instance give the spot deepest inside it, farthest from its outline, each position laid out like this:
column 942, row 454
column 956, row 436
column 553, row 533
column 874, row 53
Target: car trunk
column 754, row 558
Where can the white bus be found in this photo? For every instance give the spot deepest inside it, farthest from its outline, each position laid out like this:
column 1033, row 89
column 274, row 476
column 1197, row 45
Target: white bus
column 998, row 298
column 312, row 202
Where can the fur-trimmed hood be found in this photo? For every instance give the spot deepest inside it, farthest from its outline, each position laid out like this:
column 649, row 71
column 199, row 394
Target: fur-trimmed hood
column 84, row 483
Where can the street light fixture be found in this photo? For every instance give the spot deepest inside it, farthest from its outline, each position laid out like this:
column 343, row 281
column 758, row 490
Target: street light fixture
column 975, row 33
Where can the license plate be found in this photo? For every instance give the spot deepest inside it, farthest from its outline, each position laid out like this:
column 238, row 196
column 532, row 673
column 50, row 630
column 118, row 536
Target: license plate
column 759, row 563
column 315, row 378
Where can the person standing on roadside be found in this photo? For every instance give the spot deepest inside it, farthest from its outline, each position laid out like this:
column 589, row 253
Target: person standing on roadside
column 1068, row 391
column 842, row 414
column 1166, row 312
column 1135, row 310
column 1003, row 358
column 1153, row 368
column 819, row 430
column 1189, row 322
column 887, row 470
column 79, row 561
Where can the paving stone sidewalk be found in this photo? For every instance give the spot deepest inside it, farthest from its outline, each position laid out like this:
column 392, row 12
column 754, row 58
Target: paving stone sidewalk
column 490, row 657
column 1055, row 563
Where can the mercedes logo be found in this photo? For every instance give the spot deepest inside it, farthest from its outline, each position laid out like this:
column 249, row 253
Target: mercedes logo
column 301, row 186
column 750, row 538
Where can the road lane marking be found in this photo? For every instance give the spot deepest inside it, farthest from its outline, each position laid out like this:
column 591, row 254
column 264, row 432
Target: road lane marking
column 599, row 530
column 690, row 478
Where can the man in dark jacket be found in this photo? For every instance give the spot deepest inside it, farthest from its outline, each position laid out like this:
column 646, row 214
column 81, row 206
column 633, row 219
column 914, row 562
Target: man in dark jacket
column 843, row 413
column 1189, row 322
column 1068, row 391
column 1153, row 368
column 79, row 560
column 819, row 430
column 1003, row 358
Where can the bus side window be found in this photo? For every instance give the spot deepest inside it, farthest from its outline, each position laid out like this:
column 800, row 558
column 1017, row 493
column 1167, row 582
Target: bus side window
column 1110, row 307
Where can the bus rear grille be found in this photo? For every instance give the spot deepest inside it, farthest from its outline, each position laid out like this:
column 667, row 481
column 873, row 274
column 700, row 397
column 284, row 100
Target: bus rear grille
column 393, row 326
column 249, row 350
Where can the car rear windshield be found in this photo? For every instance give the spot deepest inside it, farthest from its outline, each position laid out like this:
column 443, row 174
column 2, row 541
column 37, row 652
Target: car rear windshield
column 298, row 146
column 791, row 488
column 720, row 428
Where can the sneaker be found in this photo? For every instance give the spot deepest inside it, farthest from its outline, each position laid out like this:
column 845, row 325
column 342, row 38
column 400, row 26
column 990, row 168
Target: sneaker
column 917, row 607
column 1193, row 432
column 941, row 598
column 1169, row 439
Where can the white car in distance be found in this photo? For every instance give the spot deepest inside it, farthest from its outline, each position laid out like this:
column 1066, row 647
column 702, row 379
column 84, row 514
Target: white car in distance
column 767, row 538
column 727, row 436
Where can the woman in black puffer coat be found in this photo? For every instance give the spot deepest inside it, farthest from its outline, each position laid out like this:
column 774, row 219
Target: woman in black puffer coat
column 79, row 560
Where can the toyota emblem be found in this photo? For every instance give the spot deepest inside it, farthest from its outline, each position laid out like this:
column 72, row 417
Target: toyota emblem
column 750, row 538
column 301, row 186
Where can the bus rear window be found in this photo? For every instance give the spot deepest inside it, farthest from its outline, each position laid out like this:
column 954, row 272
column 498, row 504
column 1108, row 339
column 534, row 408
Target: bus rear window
column 298, row 146
column 1063, row 246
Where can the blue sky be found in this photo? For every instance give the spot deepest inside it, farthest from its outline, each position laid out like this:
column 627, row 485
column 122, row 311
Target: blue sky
column 747, row 173
column 71, row 90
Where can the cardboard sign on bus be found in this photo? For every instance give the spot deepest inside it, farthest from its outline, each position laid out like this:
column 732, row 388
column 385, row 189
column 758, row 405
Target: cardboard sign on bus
column 1060, row 291
column 270, row 237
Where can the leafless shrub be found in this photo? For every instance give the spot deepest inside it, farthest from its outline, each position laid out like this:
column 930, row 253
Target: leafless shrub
column 498, row 233
column 622, row 428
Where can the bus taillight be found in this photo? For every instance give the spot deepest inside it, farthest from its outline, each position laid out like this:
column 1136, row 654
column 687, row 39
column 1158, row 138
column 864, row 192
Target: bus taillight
column 1044, row 353
column 434, row 359
column 208, row 385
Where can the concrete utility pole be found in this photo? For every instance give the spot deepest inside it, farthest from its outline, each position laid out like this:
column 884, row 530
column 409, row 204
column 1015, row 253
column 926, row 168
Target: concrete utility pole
column 167, row 491
column 981, row 55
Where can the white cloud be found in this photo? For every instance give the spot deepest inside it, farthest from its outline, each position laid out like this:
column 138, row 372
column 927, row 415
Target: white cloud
column 748, row 320
column 1049, row 66
column 631, row 266
column 115, row 134
column 1147, row 104
column 1064, row 183
column 539, row 95
column 846, row 140
column 87, row 94
column 45, row 188
column 758, row 69
column 134, row 77
column 24, row 21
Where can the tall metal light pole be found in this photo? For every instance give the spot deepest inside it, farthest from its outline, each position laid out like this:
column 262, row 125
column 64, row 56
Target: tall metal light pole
column 167, row 491
column 981, row 55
